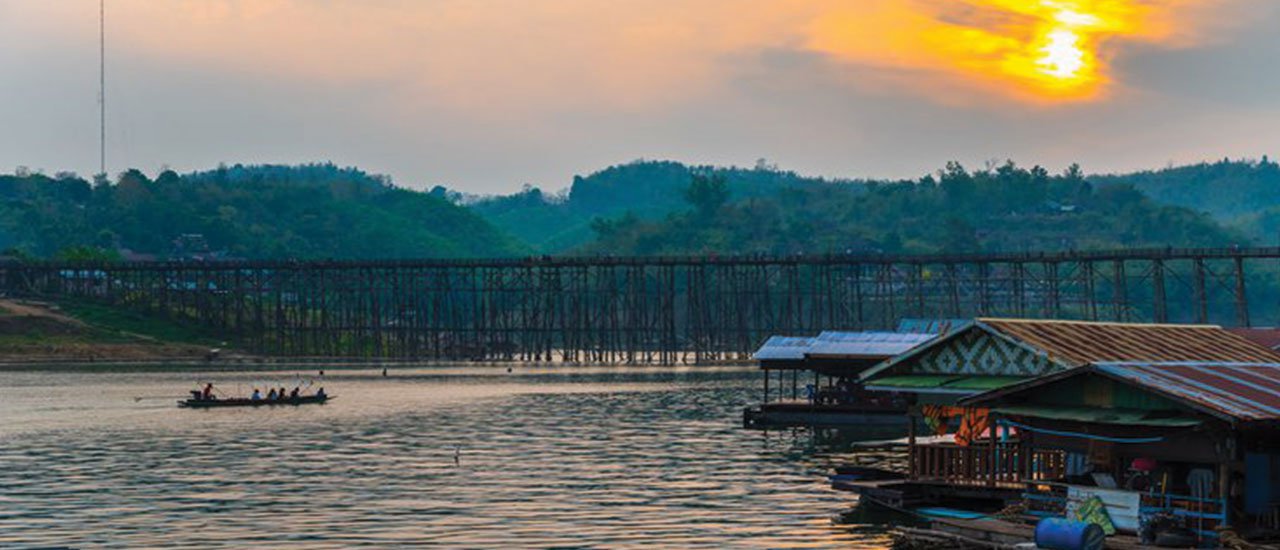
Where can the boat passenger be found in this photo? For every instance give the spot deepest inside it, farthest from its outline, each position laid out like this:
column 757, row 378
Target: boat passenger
column 294, row 394
column 207, row 395
column 271, row 395
column 281, row 395
column 320, row 393
column 257, row 395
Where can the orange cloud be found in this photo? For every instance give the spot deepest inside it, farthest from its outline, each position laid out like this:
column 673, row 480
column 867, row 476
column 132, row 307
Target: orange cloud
column 1037, row 50
column 505, row 58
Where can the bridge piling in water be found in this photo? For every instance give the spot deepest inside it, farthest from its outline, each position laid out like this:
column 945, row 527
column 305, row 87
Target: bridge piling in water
column 661, row 310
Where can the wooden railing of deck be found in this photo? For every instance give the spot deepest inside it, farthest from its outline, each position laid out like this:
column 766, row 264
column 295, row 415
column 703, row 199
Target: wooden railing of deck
column 1008, row 465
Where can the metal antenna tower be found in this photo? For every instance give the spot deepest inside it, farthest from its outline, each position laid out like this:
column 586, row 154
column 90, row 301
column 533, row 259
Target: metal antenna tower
column 102, row 86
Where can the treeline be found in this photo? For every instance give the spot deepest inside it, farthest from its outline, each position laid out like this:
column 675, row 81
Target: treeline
column 1243, row 194
column 304, row 212
column 647, row 190
column 1004, row 208
column 646, row 207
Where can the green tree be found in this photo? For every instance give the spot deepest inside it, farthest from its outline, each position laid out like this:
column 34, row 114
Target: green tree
column 707, row 194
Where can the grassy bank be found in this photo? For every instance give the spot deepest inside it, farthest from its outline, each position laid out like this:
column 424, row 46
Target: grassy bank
column 86, row 332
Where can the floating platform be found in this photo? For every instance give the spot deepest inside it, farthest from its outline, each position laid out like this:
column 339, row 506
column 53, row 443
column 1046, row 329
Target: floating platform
column 788, row 414
column 905, row 495
column 989, row 532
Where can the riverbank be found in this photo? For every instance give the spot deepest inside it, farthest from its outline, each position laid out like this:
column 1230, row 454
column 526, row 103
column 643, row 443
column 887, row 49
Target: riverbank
column 33, row 332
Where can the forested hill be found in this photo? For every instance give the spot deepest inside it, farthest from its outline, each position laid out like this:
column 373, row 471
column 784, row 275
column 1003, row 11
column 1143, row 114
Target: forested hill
column 647, row 190
column 1007, row 208
column 312, row 211
column 322, row 211
column 1242, row 194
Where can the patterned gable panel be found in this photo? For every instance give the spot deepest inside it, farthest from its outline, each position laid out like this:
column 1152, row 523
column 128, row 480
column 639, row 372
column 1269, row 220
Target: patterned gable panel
column 977, row 352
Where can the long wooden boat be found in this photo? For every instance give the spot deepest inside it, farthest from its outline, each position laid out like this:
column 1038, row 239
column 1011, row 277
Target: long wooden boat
column 244, row 402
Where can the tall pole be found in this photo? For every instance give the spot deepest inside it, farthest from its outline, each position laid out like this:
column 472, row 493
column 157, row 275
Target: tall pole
column 102, row 86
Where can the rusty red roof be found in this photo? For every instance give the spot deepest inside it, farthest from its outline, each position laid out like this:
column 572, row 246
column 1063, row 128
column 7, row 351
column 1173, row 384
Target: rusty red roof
column 1078, row 343
column 1239, row 391
column 1267, row 337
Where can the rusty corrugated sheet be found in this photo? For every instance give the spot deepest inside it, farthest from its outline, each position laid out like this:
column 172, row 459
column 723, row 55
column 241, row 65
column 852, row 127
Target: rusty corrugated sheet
column 1080, row 343
column 1266, row 337
column 1243, row 391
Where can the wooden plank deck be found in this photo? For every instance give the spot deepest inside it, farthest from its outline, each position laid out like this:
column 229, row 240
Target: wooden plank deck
column 1002, row 533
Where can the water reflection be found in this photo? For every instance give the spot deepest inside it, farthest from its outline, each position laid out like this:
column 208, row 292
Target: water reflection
column 446, row 457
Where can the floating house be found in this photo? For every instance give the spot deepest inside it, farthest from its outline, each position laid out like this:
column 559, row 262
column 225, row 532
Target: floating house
column 991, row 353
column 1193, row 444
column 814, row 381
column 1161, row 424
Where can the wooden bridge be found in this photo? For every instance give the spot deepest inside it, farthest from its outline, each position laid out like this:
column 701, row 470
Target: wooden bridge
column 662, row 310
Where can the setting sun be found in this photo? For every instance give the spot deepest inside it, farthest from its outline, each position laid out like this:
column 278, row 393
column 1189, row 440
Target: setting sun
column 1052, row 47
column 1038, row 50
column 1066, row 60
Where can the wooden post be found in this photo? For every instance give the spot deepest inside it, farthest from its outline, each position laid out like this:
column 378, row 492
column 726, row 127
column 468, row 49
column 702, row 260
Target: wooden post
column 1242, row 301
column 813, row 397
column 766, row 387
column 911, row 445
column 995, row 442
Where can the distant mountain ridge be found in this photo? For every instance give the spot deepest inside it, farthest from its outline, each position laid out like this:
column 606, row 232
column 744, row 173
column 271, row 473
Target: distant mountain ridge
column 319, row 211
column 555, row 223
column 997, row 209
column 311, row 211
column 788, row 208
column 1243, row 194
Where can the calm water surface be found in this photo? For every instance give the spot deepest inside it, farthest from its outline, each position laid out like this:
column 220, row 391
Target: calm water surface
column 450, row 457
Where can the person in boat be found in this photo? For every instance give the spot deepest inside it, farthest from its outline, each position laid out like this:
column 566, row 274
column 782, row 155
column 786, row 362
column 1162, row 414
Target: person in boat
column 271, row 395
column 294, row 394
column 207, row 394
column 257, row 395
column 281, row 395
column 320, row 393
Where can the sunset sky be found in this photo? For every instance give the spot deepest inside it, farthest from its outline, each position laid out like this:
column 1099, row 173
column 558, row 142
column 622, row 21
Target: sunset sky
column 486, row 95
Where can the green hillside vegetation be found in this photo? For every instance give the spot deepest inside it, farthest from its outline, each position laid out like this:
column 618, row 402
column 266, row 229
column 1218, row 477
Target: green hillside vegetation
column 1007, row 208
column 1244, row 194
column 304, row 212
column 646, row 190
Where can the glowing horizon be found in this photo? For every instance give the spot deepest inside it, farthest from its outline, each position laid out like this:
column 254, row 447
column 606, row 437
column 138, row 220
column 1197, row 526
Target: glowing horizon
column 1034, row 50
column 430, row 91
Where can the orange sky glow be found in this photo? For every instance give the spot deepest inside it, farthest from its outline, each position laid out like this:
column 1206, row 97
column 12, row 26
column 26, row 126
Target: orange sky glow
column 501, row 55
column 1035, row 50
column 433, row 91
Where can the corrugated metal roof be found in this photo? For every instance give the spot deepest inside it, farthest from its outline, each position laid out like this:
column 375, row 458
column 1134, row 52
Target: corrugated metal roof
column 865, row 344
column 925, row 383
column 1079, row 343
column 783, row 348
column 932, row 326
column 1243, row 391
column 1098, row 415
column 1267, row 337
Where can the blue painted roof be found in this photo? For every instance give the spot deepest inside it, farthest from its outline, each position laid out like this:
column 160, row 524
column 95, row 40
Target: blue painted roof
column 932, row 326
column 865, row 344
column 783, row 348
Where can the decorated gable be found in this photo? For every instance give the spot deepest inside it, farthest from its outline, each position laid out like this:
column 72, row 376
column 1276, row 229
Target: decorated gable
column 980, row 353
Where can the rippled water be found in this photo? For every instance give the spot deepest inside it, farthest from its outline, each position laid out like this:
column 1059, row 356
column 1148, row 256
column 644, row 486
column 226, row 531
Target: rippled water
column 463, row 457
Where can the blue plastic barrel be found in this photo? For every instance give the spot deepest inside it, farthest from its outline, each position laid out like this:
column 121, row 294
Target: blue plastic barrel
column 1065, row 534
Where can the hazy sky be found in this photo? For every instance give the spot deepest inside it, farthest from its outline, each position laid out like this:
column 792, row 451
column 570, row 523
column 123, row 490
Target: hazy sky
column 485, row 95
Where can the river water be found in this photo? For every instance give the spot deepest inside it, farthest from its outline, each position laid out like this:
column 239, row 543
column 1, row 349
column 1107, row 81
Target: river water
column 460, row 457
